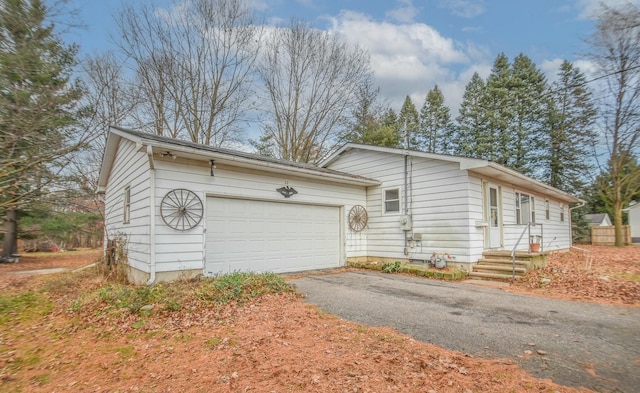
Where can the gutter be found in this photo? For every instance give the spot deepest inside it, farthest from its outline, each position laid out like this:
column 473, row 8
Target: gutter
column 152, row 212
column 579, row 205
column 274, row 167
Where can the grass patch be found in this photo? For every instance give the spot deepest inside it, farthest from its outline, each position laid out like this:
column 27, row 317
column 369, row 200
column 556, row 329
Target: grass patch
column 173, row 296
column 239, row 287
column 42, row 379
column 125, row 352
column 23, row 307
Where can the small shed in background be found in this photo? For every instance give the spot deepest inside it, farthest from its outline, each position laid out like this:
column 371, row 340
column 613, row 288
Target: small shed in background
column 598, row 220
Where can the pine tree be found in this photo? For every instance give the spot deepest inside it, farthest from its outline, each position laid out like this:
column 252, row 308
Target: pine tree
column 436, row 129
column 570, row 117
column 409, row 122
column 471, row 123
column 370, row 129
column 37, row 107
column 527, row 89
column 497, row 102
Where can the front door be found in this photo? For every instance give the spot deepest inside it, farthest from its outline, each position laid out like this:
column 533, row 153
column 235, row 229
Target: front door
column 494, row 215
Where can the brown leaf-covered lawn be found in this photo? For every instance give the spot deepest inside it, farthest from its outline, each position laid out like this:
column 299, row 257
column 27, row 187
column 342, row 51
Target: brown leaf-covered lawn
column 599, row 274
column 56, row 334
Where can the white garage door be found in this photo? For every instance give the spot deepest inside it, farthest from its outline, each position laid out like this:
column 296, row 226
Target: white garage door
column 247, row 235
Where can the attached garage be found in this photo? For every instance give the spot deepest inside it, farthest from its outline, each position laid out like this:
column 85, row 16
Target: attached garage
column 255, row 235
column 242, row 212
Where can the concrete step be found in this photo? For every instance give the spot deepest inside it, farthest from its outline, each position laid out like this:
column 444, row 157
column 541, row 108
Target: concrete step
column 502, row 262
column 492, row 268
column 494, row 276
column 524, row 255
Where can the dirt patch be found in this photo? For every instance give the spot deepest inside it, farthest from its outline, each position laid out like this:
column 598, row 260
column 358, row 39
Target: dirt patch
column 274, row 343
column 44, row 260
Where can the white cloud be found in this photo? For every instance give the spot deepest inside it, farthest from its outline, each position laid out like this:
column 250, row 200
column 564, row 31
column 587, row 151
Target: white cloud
column 551, row 67
column 409, row 59
column 258, row 5
column 463, row 8
column 405, row 13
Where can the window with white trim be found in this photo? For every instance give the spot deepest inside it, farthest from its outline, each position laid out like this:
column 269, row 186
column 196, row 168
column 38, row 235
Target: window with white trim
column 547, row 210
column 392, row 200
column 562, row 213
column 525, row 208
column 126, row 215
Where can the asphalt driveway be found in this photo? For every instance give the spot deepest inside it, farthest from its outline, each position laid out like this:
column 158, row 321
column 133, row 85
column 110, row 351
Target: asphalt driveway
column 588, row 345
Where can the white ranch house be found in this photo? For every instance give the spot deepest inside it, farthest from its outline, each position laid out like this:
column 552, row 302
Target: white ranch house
column 252, row 213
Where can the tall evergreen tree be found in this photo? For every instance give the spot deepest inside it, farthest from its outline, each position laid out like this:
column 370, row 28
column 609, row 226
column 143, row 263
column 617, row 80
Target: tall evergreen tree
column 369, row 127
column 409, row 123
column 527, row 90
column 37, row 107
column 436, row 129
column 471, row 124
column 497, row 103
column 570, row 117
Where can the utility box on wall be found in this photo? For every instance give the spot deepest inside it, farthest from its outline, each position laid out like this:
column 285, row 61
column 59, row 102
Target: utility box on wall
column 405, row 223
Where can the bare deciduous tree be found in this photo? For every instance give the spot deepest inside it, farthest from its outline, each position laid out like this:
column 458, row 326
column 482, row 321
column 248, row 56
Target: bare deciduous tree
column 194, row 64
column 311, row 79
column 615, row 48
column 111, row 99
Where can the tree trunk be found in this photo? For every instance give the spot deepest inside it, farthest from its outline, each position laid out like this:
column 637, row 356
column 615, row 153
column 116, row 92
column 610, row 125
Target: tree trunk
column 10, row 244
column 617, row 221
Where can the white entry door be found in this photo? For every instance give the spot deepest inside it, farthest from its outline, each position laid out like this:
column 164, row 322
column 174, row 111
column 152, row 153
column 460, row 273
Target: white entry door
column 494, row 215
column 261, row 236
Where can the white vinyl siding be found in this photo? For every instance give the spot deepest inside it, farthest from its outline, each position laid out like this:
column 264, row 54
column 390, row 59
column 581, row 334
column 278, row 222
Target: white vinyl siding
column 443, row 202
column 556, row 233
column 130, row 170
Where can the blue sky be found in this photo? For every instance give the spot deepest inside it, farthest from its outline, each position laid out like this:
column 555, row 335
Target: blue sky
column 415, row 44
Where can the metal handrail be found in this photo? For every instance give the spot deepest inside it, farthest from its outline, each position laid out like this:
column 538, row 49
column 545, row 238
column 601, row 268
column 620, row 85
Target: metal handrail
column 527, row 230
column 513, row 251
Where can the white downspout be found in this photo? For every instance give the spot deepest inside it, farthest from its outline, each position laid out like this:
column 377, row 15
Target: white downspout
column 152, row 215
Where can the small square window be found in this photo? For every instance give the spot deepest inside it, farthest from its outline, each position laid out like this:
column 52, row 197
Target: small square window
column 126, row 216
column 392, row 200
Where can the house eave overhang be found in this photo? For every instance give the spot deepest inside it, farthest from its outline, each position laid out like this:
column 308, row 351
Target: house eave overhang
column 520, row 181
column 479, row 167
column 248, row 163
column 222, row 157
column 111, row 148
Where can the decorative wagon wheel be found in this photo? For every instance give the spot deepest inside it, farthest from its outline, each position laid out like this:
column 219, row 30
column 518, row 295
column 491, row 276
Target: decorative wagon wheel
column 358, row 218
column 181, row 209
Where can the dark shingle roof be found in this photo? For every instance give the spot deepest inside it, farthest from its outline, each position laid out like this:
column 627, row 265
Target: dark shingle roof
column 236, row 153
